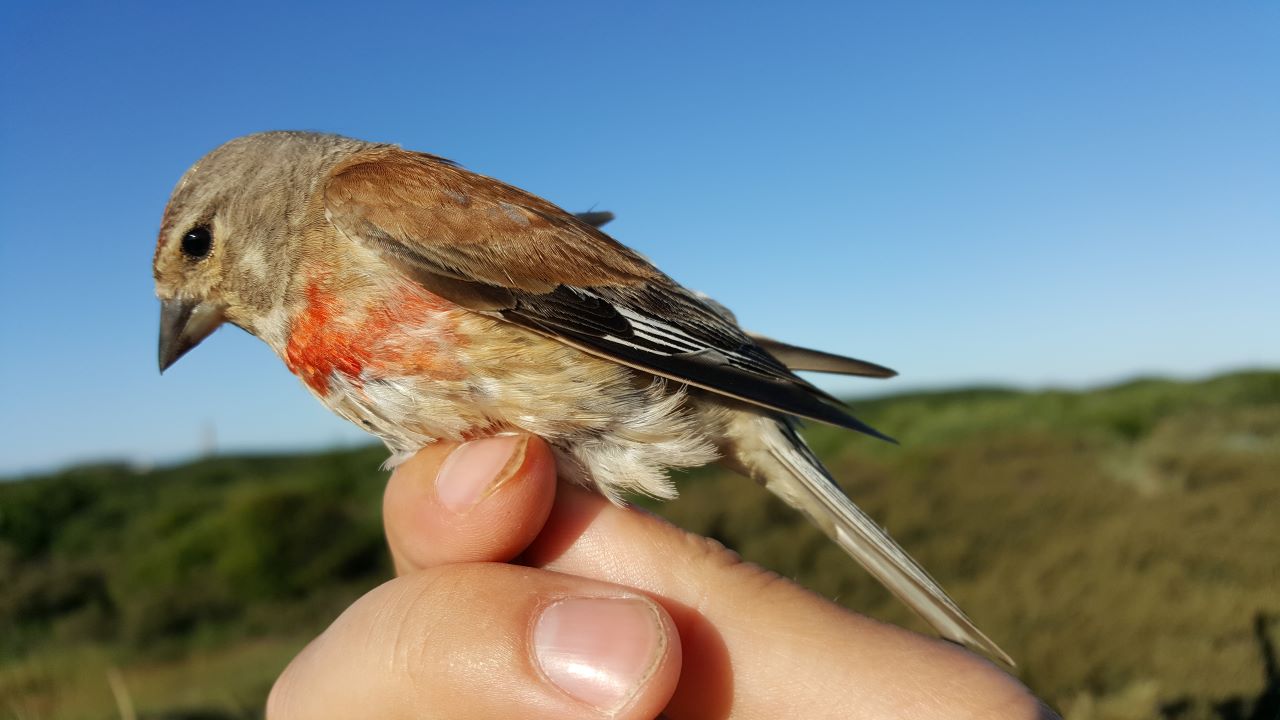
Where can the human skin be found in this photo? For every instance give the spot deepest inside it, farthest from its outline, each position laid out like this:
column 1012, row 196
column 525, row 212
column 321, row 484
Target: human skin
column 517, row 596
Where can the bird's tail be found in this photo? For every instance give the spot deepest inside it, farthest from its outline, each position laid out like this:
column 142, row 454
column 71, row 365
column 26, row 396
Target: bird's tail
column 770, row 451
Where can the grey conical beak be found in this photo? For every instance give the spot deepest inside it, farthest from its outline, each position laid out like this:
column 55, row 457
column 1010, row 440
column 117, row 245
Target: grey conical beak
column 183, row 324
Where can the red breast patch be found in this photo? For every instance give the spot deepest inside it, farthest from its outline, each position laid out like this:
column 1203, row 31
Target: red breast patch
column 382, row 337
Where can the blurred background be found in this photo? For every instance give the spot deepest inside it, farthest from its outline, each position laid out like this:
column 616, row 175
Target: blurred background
column 1058, row 222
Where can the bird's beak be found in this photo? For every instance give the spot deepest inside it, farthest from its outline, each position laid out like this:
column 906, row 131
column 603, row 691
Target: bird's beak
column 183, row 324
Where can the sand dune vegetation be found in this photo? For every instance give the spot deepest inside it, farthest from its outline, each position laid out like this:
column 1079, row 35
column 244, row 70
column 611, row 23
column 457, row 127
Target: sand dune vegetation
column 1122, row 544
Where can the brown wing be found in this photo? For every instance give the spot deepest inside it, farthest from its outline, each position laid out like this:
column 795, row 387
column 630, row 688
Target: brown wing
column 496, row 249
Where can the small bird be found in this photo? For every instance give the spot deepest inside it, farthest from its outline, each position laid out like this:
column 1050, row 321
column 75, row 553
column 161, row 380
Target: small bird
column 423, row 302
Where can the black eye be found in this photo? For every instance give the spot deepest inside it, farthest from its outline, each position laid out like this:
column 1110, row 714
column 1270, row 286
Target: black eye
column 197, row 242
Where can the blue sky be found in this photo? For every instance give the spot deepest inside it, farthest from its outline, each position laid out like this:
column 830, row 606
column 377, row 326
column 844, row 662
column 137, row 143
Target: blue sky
column 1034, row 194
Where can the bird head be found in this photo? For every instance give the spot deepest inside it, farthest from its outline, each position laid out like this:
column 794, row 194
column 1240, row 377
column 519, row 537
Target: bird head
column 233, row 233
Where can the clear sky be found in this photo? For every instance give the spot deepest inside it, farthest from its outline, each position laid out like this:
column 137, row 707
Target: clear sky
column 1035, row 194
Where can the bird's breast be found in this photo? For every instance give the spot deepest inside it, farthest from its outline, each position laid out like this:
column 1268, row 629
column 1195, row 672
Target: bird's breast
column 412, row 368
column 349, row 335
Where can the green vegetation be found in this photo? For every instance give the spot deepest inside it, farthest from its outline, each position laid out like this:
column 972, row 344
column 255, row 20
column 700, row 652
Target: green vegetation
column 1122, row 544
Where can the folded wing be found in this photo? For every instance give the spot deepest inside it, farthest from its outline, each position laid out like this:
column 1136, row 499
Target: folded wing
column 496, row 249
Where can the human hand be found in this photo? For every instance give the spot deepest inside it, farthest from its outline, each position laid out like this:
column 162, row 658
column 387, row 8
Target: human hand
column 515, row 597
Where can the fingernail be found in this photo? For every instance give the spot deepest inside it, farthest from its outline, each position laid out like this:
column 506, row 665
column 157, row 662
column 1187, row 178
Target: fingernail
column 475, row 470
column 600, row 650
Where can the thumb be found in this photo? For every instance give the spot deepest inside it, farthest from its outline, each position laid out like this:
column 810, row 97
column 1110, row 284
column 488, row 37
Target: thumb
column 485, row 640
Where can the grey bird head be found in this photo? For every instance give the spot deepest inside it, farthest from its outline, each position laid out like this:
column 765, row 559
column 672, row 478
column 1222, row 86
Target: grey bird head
column 227, row 239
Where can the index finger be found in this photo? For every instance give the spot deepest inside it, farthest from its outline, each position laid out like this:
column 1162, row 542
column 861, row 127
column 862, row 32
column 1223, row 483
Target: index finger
column 481, row 501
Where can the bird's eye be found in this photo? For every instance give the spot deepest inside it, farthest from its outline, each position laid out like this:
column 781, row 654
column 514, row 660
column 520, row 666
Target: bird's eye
column 197, row 242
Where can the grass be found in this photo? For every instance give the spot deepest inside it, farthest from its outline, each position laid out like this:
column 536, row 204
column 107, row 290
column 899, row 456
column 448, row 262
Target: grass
column 1121, row 543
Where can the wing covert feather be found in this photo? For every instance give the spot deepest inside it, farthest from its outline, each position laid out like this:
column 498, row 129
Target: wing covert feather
column 473, row 227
